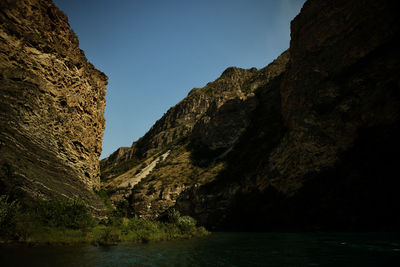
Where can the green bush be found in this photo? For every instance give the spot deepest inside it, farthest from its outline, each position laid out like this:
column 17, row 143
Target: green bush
column 109, row 236
column 170, row 216
column 69, row 221
column 112, row 221
column 104, row 197
column 72, row 214
column 8, row 214
column 186, row 223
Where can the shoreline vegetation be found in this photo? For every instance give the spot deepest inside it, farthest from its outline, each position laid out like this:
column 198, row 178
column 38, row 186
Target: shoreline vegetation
column 67, row 222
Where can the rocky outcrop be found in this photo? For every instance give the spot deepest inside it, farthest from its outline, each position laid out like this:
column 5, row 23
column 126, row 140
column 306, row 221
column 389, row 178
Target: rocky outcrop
column 219, row 129
column 52, row 105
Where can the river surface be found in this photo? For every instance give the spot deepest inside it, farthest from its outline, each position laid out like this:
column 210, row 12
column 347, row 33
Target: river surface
column 222, row 249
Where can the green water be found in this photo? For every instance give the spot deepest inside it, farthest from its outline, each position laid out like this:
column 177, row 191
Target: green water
column 223, row 249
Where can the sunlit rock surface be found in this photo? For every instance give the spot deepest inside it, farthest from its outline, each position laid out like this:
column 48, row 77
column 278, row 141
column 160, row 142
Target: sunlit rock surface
column 52, row 105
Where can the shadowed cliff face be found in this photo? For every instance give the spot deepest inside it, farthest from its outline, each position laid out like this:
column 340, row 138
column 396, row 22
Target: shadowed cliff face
column 330, row 161
column 52, row 105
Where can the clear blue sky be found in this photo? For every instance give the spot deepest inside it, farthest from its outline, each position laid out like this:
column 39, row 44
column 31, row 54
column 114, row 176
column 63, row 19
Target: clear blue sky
column 155, row 51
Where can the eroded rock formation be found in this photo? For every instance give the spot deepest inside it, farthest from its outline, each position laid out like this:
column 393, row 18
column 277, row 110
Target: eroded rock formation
column 51, row 105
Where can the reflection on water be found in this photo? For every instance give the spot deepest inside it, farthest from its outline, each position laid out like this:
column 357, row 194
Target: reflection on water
column 223, row 249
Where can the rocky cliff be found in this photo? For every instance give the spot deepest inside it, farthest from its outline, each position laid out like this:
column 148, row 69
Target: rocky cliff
column 323, row 154
column 52, row 105
column 309, row 142
column 197, row 133
column 235, row 85
column 180, row 119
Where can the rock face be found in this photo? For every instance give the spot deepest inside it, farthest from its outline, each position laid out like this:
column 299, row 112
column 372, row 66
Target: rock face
column 194, row 112
column 180, row 119
column 308, row 143
column 199, row 132
column 325, row 158
column 52, row 105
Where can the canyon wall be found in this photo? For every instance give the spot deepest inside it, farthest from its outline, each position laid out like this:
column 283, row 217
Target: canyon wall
column 323, row 154
column 52, row 106
column 308, row 143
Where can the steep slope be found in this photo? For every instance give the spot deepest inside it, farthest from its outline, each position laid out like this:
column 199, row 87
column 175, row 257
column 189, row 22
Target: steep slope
column 180, row 119
column 199, row 132
column 52, row 106
column 327, row 158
